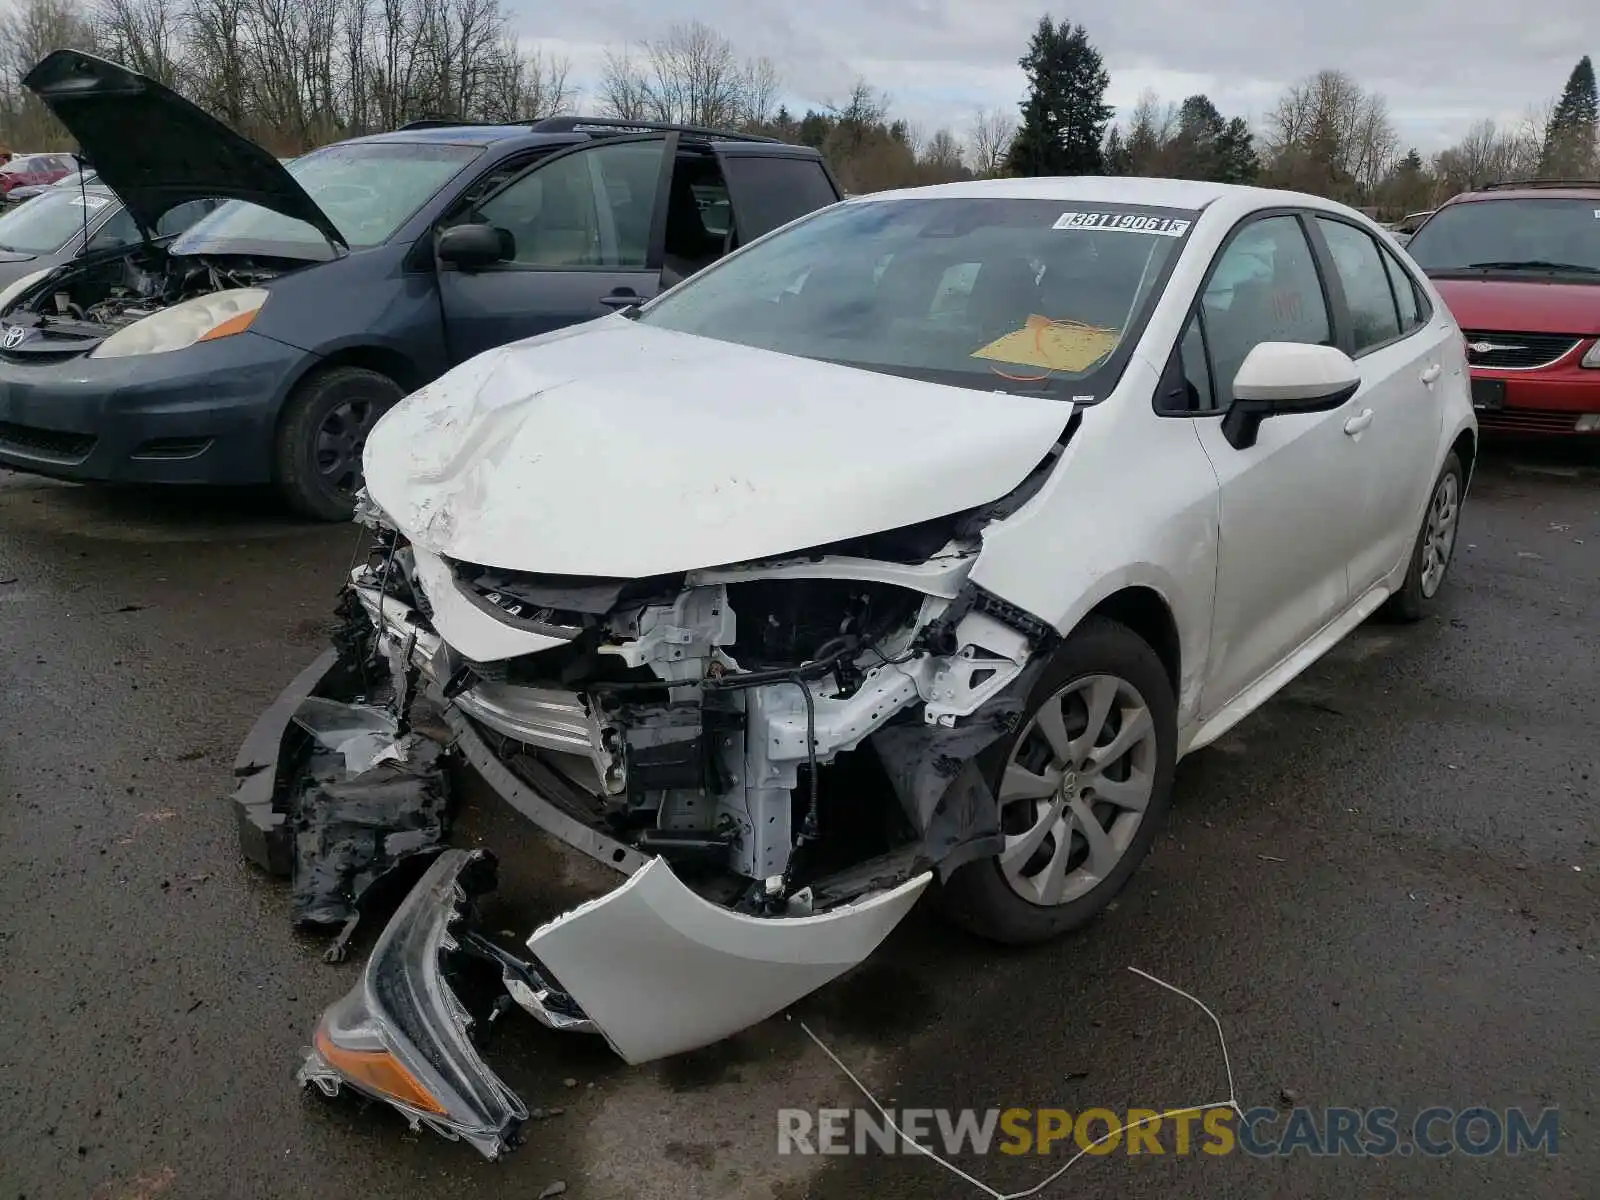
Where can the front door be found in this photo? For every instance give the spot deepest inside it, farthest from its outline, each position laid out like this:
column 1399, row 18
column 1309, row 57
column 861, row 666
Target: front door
column 1286, row 502
column 581, row 226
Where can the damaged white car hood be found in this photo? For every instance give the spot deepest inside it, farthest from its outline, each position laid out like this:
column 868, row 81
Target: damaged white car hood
column 619, row 450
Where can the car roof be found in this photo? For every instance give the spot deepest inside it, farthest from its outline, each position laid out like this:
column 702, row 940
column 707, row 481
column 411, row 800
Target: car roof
column 1120, row 189
column 1553, row 189
column 577, row 129
column 457, row 135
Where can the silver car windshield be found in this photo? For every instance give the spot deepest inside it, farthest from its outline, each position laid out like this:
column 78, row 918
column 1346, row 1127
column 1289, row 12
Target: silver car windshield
column 984, row 293
column 368, row 190
column 46, row 223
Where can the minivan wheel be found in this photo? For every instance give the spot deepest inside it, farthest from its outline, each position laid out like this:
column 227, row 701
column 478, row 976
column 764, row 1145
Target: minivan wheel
column 1083, row 788
column 1434, row 547
column 321, row 436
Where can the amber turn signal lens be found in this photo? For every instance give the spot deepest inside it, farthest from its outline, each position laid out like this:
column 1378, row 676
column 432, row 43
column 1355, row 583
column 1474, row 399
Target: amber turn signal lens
column 379, row 1071
column 230, row 327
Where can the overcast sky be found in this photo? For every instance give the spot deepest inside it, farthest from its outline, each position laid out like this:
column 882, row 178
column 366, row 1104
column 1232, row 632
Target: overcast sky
column 1441, row 64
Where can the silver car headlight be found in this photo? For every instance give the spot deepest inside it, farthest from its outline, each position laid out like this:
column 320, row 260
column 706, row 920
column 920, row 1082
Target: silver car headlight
column 204, row 319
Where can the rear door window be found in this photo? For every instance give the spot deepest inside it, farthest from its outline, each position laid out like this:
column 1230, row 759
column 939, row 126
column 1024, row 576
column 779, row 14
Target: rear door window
column 768, row 192
column 1367, row 292
column 1406, row 297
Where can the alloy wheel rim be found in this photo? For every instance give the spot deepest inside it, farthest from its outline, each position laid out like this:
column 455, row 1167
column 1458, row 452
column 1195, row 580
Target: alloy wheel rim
column 1439, row 533
column 340, row 440
column 1075, row 789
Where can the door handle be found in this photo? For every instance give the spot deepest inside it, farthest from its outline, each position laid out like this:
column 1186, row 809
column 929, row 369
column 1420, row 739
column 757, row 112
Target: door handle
column 1358, row 422
column 620, row 299
column 1431, row 374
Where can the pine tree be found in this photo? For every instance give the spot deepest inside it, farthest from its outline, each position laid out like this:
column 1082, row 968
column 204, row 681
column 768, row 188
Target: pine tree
column 1065, row 115
column 1236, row 160
column 1200, row 130
column 1118, row 161
column 1569, row 139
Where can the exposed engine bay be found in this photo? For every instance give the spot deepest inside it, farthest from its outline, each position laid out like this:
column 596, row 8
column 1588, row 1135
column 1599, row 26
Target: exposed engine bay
column 706, row 717
column 100, row 294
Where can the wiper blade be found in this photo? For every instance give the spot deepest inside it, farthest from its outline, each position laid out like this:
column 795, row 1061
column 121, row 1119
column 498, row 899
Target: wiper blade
column 1532, row 264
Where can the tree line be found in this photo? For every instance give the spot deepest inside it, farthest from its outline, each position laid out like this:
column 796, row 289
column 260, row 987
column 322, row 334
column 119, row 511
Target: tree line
column 294, row 74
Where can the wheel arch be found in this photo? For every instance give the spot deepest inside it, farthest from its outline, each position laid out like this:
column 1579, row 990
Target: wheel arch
column 384, row 360
column 1146, row 612
column 1466, row 449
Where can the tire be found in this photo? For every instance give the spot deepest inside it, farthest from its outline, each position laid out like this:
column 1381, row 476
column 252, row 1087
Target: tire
column 323, row 430
column 1013, row 898
column 1434, row 548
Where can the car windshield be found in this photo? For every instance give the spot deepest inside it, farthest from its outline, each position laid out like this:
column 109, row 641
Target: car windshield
column 367, row 189
column 989, row 293
column 47, row 222
column 25, row 166
column 1536, row 232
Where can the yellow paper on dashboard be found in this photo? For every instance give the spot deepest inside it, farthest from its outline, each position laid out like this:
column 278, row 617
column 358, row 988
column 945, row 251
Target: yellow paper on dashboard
column 1052, row 345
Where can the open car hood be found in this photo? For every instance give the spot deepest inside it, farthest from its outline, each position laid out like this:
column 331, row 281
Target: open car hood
column 156, row 150
column 621, row 450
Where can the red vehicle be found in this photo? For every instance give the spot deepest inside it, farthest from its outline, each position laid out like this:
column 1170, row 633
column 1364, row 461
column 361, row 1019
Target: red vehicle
column 34, row 170
column 1519, row 266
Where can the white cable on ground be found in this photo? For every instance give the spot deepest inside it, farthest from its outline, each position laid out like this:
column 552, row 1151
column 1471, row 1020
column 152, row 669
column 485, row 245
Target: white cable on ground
column 1232, row 1102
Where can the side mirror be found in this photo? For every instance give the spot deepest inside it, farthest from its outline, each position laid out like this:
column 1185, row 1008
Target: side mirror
column 471, row 247
column 1277, row 378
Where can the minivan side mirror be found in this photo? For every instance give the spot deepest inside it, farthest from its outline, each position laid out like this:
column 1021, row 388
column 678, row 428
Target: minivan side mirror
column 474, row 246
column 1278, row 378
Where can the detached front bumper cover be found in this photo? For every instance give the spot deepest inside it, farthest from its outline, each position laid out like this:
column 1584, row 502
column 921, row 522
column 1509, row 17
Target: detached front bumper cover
column 402, row 1036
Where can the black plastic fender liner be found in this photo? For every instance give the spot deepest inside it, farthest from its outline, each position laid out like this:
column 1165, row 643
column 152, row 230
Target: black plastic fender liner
column 264, row 833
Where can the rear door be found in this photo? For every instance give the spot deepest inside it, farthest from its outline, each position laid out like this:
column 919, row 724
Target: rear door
column 586, row 234
column 768, row 189
column 1386, row 329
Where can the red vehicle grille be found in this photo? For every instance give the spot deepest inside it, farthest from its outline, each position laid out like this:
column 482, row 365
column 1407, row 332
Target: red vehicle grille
column 1517, row 351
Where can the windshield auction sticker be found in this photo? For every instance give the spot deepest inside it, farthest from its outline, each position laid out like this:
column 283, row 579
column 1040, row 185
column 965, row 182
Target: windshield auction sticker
column 1122, row 222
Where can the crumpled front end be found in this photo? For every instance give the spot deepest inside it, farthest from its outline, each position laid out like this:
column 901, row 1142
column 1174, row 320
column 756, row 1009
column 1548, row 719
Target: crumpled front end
column 777, row 757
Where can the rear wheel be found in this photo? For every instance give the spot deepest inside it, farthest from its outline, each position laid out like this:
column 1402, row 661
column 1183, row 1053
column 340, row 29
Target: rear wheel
column 1435, row 545
column 1083, row 788
column 322, row 435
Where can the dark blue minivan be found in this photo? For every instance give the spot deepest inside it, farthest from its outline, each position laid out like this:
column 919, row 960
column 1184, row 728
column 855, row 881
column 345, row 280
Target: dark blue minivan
column 262, row 344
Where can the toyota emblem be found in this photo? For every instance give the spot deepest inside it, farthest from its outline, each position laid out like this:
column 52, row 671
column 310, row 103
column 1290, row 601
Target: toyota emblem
column 14, row 336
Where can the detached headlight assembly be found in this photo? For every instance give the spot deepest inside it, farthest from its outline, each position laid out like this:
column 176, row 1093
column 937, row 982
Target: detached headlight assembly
column 204, row 319
column 1591, row 359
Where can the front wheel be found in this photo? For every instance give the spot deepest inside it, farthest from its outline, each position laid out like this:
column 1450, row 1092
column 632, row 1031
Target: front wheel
column 1083, row 788
column 321, row 437
column 1434, row 547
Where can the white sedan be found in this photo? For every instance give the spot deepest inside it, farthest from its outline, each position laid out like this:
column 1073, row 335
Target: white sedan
column 915, row 541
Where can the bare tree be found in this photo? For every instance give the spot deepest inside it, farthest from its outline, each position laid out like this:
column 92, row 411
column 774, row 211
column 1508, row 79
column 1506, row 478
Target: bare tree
column 1150, row 134
column 1490, row 152
column 761, row 86
column 990, row 141
column 623, row 91
column 694, row 77
column 940, row 159
column 1327, row 134
column 147, row 35
column 29, row 31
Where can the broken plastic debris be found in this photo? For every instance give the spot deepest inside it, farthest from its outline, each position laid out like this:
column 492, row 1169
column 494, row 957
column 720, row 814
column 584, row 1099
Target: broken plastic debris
column 1052, row 345
column 365, row 735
